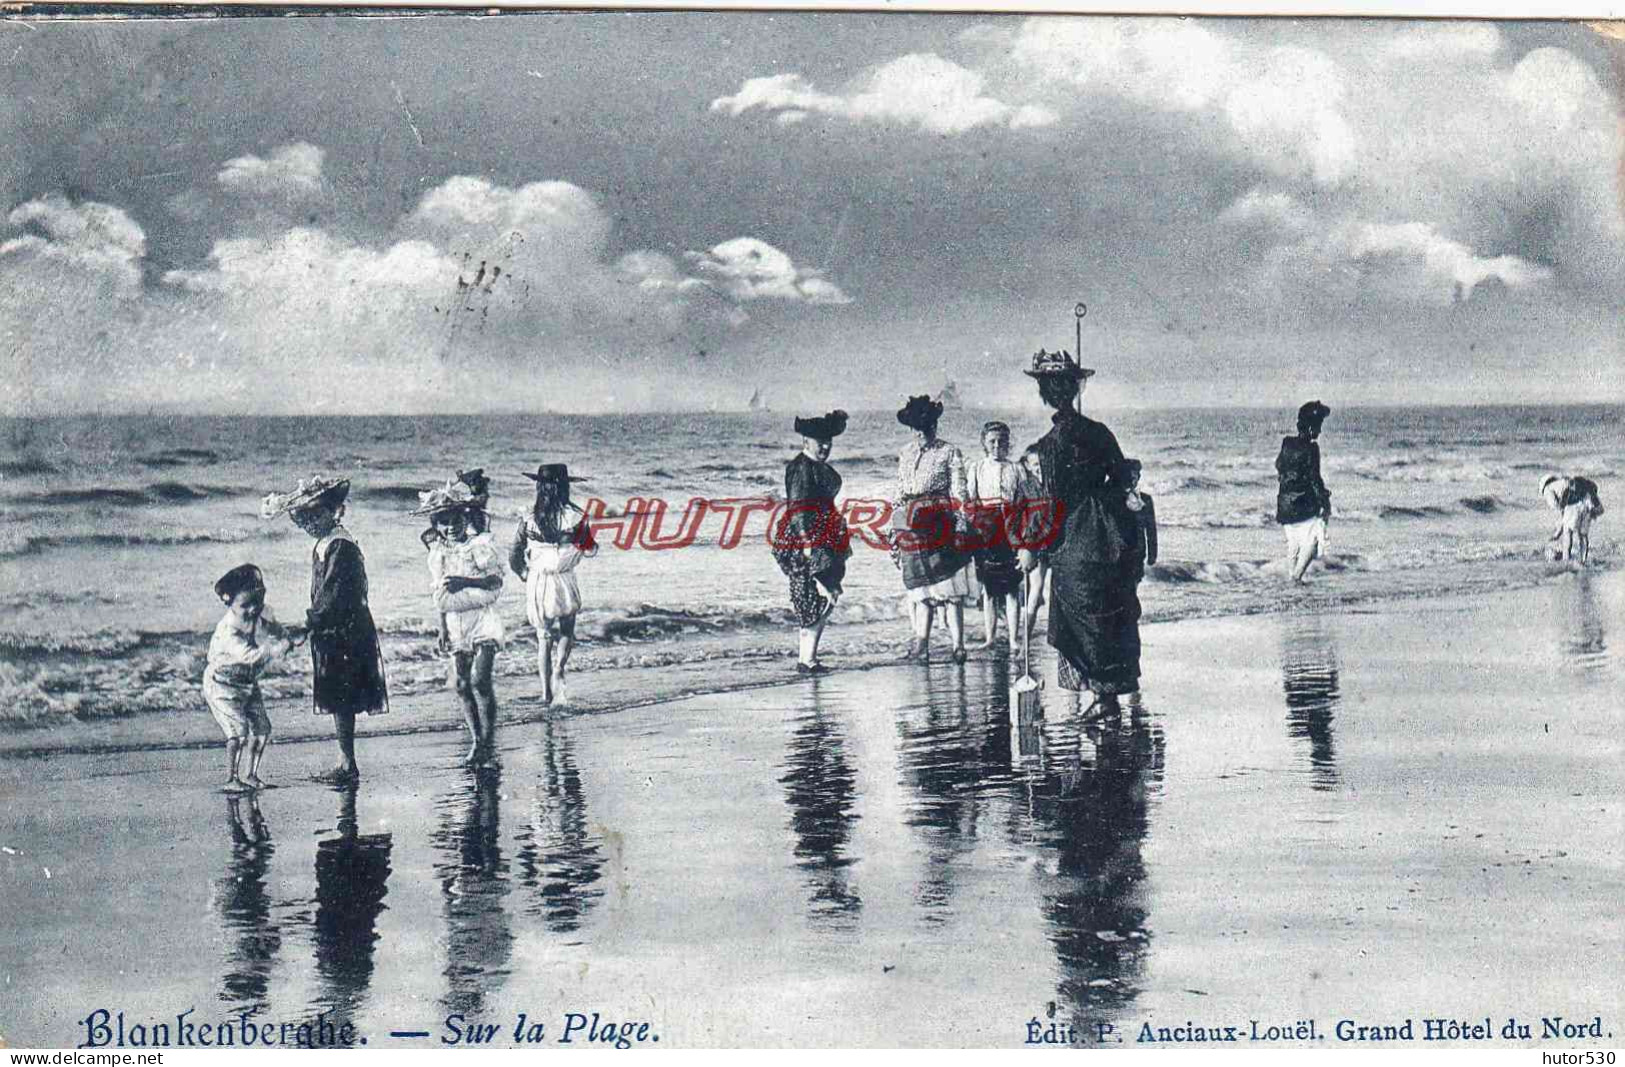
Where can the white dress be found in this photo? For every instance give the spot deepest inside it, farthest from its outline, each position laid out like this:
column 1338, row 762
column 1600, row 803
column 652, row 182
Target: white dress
column 551, row 590
column 471, row 614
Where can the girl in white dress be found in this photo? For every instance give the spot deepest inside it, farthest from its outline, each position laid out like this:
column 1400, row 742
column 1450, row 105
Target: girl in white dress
column 550, row 542
column 465, row 580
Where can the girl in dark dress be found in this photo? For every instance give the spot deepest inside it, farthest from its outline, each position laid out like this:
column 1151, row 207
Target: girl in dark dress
column 811, row 542
column 1094, row 618
column 347, row 666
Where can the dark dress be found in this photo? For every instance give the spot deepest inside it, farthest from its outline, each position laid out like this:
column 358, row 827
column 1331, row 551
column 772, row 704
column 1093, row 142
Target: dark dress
column 1303, row 495
column 1095, row 559
column 811, row 521
column 348, row 669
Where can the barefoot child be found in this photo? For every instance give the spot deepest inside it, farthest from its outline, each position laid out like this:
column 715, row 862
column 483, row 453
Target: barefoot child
column 548, row 545
column 347, row 667
column 1037, row 578
column 245, row 642
column 996, row 482
column 465, row 579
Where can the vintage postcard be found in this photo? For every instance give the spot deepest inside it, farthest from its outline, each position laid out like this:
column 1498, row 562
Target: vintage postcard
column 809, row 529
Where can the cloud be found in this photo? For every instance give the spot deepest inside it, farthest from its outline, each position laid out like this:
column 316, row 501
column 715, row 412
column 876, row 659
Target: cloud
column 750, row 269
column 293, row 172
column 483, row 296
column 919, row 90
column 91, row 237
column 1344, row 260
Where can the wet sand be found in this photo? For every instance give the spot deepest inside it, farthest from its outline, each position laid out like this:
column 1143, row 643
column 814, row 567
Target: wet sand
column 1377, row 815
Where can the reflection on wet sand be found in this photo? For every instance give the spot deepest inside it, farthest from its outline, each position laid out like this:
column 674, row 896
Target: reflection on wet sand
column 252, row 937
column 1584, row 639
column 560, row 857
column 474, row 883
column 352, row 876
column 1309, row 680
column 1091, row 812
column 944, row 755
column 820, row 787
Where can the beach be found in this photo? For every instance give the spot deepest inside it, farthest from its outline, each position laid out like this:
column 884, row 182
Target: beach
column 1343, row 809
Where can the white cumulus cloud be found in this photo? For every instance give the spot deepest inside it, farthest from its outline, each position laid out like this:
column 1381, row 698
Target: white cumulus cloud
column 920, row 90
column 292, row 172
column 750, row 269
column 89, row 236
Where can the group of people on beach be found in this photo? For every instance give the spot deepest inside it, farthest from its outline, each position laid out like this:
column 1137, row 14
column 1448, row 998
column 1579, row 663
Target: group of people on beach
column 465, row 580
column 1088, row 566
column 1100, row 537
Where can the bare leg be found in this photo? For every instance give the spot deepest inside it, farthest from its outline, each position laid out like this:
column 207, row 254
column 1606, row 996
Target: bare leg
column 920, row 617
column 234, row 748
column 471, row 709
column 344, row 734
column 544, row 663
column 256, row 752
column 990, row 618
column 1012, row 616
column 485, row 698
column 956, row 627
column 567, row 645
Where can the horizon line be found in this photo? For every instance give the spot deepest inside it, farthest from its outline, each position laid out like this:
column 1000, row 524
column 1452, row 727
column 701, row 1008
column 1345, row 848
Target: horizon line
column 512, row 412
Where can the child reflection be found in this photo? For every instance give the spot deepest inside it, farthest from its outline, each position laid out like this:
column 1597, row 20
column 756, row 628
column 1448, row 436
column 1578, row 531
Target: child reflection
column 1091, row 811
column 352, row 879
column 560, row 858
column 948, row 750
column 820, row 788
column 1584, row 641
column 252, row 938
column 1309, row 680
column 474, row 882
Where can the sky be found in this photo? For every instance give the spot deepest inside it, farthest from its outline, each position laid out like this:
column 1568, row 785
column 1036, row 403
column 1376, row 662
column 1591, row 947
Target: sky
column 611, row 211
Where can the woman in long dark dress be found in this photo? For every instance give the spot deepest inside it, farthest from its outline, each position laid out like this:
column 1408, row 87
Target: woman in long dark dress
column 347, row 676
column 1094, row 617
column 811, row 544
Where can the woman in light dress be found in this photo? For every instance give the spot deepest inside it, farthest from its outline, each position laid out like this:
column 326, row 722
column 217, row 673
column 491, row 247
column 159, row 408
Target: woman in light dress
column 928, row 524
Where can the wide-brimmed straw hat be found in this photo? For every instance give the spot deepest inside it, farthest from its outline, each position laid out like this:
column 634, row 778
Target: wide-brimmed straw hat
column 307, row 493
column 1057, row 364
column 822, row 427
column 553, row 474
column 920, row 412
column 453, row 496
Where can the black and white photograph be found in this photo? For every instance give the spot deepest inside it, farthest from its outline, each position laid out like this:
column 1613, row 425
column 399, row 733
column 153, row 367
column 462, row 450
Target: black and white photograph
column 810, row 529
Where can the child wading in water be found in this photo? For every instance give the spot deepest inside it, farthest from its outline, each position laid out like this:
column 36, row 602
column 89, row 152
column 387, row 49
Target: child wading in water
column 347, row 667
column 245, row 642
column 1038, row 578
column 996, row 482
column 465, row 580
column 548, row 545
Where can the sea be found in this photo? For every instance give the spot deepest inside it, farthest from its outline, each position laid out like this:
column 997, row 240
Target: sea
column 115, row 528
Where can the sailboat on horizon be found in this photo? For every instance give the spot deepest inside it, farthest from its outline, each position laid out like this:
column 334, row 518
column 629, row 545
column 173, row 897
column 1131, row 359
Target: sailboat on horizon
column 949, row 397
column 757, row 403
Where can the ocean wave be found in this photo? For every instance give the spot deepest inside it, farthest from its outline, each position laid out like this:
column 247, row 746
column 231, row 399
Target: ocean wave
column 33, row 544
column 179, row 457
column 388, row 494
column 123, row 497
column 1241, row 519
column 1426, row 511
column 24, row 466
